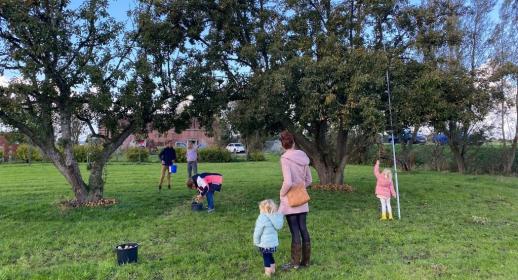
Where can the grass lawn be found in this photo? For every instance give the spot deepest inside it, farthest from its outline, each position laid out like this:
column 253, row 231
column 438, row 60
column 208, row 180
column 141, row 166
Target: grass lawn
column 453, row 227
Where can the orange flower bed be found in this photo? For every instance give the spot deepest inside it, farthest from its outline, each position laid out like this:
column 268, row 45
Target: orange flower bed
column 100, row 203
column 333, row 187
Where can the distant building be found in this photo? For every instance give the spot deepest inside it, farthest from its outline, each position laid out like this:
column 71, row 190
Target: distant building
column 273, row 146
column 8, row 149
column 154, row 139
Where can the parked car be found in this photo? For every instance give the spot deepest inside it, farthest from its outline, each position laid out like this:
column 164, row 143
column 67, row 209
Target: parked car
column 236, row 148
column 420, row 139
column 440, row 139
column 406, row 137
column 180, row 145
column 389, row 139
column 473, row 139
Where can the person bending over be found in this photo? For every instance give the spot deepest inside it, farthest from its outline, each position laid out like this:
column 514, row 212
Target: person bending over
column 206, row 184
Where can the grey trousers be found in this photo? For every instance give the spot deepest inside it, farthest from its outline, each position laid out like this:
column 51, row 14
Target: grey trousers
column 192, row 166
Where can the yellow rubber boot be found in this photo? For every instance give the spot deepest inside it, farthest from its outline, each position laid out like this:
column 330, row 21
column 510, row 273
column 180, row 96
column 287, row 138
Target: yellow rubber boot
column 383, row 216
column 390, row 216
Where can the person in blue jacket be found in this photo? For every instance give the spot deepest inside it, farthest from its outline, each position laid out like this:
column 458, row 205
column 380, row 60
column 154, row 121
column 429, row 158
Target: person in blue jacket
column 266, row 239
column 167, row 157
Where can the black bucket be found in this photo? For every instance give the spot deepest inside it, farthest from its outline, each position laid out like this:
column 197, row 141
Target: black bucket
column 127, row 253
column 195, row 206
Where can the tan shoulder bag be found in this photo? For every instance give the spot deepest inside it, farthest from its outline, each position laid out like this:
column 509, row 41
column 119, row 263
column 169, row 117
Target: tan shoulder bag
column 298, row 195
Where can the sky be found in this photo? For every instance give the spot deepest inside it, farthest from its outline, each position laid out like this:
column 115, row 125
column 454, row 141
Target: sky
column 119, row 8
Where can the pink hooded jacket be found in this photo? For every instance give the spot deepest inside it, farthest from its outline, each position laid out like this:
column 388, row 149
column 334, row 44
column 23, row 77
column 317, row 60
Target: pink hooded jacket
column 295, row 169
column 384, row 186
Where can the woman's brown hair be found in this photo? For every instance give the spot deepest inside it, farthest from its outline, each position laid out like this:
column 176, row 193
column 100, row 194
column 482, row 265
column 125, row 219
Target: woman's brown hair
column 287, row 140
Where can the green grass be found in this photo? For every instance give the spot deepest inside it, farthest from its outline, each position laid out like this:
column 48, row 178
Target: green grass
column 452, row 227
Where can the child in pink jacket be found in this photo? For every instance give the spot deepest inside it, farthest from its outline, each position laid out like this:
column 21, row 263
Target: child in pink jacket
column 384, row 190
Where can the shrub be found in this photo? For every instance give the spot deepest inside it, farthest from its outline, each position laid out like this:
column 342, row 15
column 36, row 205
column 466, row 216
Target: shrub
column 22, row 153
column 181, row 154
column 136, row 154
column 80, row 153
column 1, row 155
column 214, row 155
column 84, row 152
column 256, row 156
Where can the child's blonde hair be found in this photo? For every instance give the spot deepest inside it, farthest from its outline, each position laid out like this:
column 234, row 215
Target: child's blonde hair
column 267, row 206
column 387, row 173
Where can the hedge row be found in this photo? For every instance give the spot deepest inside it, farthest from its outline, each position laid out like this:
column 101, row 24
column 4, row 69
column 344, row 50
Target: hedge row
column 25, row 152
column 83, row 153
column 216, row 155
column 485, row 159
column 256, row 156
column 136, row 154
column 206, row 155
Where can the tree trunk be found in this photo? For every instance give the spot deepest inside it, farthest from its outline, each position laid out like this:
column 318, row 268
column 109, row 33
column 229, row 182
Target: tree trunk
column 457, row 140
column 407, row 162
column 96, row 181
column 70, row 170
column 508, row 168
column 459, row 158
column 84, row 193
column 511, row 157
column 329, row 174
column 330, row 167
column 503, row 113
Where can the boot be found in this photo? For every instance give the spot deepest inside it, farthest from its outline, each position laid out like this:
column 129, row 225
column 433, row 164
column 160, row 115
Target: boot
column 383, row 216
column 296, row 250
column 306, row 254
column 390, row 216
column 267, row 272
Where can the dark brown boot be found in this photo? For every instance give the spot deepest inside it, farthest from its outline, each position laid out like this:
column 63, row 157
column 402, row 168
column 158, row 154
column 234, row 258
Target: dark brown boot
column 296, row 251
column 306, row 254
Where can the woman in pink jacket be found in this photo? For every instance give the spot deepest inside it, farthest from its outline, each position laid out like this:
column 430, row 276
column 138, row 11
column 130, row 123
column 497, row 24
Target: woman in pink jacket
column 295, row 170
column 384, row 190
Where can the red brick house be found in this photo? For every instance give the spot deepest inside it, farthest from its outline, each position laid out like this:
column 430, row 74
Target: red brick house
column 155, row 139
column 8, row 149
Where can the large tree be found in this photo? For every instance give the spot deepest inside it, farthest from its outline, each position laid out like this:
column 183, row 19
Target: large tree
column 413, row 93
column 461, row 96
column 504, row 61
column 80, row 64
column 312, row 67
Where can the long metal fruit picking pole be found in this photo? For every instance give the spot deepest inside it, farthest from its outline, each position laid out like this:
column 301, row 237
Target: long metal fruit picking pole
column 393, row 145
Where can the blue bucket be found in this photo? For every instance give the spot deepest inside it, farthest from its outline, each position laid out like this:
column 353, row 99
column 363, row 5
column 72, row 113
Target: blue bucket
column 172, row 168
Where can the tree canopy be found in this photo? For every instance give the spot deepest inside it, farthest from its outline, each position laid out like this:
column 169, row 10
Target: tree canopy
column 81, row 64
